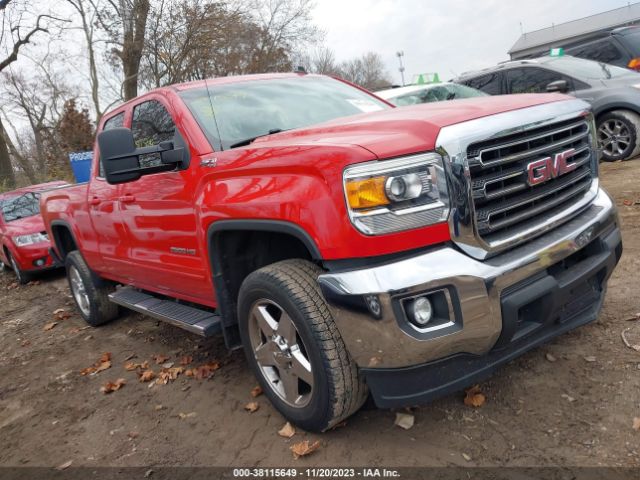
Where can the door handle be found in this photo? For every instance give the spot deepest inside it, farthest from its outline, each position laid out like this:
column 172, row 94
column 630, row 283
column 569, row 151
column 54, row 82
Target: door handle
column 95, row 201
column 127, row 199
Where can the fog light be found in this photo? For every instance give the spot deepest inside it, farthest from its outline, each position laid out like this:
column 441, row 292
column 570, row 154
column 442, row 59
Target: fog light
column 40, row 262
column 420, row 311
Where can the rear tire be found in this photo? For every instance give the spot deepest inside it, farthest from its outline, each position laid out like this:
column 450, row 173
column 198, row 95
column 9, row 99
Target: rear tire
column 619, row 135
column 90, row 294
column 22, row 276
column 294, row 347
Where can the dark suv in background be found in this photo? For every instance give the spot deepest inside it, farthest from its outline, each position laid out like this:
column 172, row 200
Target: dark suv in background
column 613, row 92
column 620, row 47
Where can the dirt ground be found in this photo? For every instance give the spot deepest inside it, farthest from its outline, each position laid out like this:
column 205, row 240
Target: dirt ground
column 569, row 403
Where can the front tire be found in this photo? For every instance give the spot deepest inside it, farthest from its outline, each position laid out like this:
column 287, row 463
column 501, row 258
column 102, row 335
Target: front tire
column 91, row 295
column 294, row 347
column 619, row 135
column 22, row 276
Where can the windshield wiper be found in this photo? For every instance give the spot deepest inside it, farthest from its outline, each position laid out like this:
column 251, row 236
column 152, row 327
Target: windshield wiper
column 248, row 141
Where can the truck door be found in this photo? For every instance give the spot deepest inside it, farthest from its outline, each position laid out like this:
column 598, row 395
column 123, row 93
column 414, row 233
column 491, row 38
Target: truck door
column 109, row 239
column 158, row 212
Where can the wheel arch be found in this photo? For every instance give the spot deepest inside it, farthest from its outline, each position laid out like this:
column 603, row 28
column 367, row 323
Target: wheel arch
column 238, row 247
column 610, row 107
column 64, row 241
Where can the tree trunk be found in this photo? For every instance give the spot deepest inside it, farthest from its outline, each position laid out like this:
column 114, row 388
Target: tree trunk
column 134, row 20
column 7, row 176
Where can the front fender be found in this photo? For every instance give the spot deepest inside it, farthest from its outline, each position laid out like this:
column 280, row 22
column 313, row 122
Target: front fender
column 301, row 185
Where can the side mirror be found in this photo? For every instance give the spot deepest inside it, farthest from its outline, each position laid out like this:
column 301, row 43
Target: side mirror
column 559, row 86
column 121, row 159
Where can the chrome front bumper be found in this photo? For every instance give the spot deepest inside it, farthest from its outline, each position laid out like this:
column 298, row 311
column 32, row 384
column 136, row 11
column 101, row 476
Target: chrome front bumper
column 377, row 336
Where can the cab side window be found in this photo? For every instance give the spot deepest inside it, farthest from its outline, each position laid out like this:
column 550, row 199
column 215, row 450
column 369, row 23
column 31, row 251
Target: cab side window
column 114, row 122
column 491, row 83
column 533, row 80
column 151, row 125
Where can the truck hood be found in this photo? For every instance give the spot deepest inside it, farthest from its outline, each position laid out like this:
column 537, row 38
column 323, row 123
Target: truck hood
column 25, row 226
column 404, row 130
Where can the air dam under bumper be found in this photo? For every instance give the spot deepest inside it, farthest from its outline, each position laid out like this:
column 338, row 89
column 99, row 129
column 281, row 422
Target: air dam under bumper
column 490, row 311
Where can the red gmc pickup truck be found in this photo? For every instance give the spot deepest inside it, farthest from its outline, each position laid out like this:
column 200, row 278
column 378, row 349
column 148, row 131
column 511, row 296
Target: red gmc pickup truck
column 348, row 246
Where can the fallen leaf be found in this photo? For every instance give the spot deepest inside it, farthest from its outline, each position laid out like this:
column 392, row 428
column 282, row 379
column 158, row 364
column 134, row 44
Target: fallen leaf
column 466, row 456
column 61, row 314
column 590, row 358
column 252, row 407
column 203, row 371
column 256, row 391
column 186, row 415
column 636, row 423
column 186, row 360
column 130, row 366
column 550, row 357
column 113, row 386
column 147, row 376
column 568, row 397
column 287, row 431
column 49, row 326
column 26, row 343
column 158, row 407
column 404, row 420
column 167, row 365
column 304, row 448
column 474, row 397
column 168, row 374
column 160, row 359
column 627, row 202
column 64, row 465
column 102, row 364
column 133, row 435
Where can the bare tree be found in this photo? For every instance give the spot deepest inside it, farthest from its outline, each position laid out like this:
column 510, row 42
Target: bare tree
column 197, row 39
column 126, row 22
column 87, row 11
column 368, row 71
column 324, row 62
column 286, row 25
column 18, row 26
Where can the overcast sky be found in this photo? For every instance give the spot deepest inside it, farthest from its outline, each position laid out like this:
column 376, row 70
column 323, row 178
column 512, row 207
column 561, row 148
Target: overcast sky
column 448, row 37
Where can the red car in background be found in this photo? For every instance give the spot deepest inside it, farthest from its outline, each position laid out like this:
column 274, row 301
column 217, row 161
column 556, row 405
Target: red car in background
column 24, row 241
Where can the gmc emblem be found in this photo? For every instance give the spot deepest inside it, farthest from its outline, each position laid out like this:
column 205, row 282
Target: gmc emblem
column 547, row 168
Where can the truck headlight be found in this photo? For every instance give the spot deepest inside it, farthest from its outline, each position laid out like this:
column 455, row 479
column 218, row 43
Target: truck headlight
column 23, row 240
column 393, row 195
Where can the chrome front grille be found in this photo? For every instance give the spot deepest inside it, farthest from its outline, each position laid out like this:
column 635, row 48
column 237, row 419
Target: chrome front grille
column 503, row 200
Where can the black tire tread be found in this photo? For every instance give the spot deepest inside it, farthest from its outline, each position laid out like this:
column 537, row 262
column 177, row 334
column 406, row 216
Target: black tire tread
column 298, row 278
column 102, row 309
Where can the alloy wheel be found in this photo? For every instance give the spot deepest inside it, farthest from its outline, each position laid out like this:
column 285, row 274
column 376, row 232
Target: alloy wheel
column 79, row 291
column 280, row 353
column 614, row 137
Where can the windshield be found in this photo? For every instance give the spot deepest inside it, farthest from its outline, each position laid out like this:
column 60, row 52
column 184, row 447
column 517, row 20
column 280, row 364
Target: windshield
column 588, row 69
column 245, row 110
column 26, row 205
column 436, row 94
